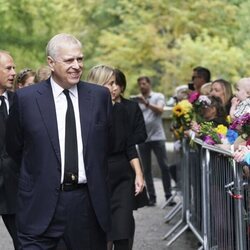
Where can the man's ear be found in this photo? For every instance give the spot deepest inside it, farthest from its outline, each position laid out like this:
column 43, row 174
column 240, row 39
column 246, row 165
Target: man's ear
column 51, row 62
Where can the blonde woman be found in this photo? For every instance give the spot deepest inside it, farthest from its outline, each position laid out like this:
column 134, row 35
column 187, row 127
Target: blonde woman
column 123, row 160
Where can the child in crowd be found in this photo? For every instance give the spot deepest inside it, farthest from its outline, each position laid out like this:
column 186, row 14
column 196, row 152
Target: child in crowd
column 212, row 110
column 241, row 102
column 181, row 92
column 206, row 88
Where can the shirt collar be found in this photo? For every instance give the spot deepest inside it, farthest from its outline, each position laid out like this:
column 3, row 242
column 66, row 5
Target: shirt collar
column 57, row 89
column 150, row 94
column 5, row 94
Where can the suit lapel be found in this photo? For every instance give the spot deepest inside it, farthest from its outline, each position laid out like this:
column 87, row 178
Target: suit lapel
column 10, row 98
column 46, row 106
column 85, row 108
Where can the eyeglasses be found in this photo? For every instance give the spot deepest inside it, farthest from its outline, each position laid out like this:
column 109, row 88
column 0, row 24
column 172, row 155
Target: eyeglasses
column 194, row 77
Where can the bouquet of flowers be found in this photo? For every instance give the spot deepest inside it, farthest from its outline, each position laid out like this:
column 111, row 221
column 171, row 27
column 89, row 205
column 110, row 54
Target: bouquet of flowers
column 209, row 134
column 182, row 117
column 227, row 136
column 242, row 125
column 216, row 135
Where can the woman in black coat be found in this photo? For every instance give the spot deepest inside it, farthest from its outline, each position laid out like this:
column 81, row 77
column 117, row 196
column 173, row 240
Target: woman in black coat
column 125, row 178
column 136, row 120
column 138, row 133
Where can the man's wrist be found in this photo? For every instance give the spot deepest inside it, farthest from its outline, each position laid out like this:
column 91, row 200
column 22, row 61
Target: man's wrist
column 147, row 103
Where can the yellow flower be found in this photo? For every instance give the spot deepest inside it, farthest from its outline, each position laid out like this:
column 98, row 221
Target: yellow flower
column 182, row 108
column 229, row 119
column 186, row 106
column 178, row 110
column 221, row 129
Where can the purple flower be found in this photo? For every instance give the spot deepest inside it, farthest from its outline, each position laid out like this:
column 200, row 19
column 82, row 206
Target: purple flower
column 208, row 139
column 241, row 124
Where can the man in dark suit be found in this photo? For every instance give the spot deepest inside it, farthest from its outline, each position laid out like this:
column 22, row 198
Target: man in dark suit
column 58, row 131
column 8, row 173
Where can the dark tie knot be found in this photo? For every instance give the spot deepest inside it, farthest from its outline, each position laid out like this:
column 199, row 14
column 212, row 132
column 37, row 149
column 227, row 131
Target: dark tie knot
column 66, row 92
column 3, row 108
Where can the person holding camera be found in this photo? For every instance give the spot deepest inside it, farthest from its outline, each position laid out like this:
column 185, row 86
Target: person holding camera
column 152, row 106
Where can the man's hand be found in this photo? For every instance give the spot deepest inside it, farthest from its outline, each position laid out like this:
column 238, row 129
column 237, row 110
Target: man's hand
column 143, row 100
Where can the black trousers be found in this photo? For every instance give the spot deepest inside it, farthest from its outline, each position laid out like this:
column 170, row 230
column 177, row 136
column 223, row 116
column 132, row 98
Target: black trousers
column 74, row 222
column 10, row 223
column 158, row 147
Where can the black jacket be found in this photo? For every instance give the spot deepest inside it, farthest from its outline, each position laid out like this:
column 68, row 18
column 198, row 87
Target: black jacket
column 8, row 173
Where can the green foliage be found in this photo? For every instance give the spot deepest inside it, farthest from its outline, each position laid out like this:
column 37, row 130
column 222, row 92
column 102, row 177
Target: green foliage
column 162, row 39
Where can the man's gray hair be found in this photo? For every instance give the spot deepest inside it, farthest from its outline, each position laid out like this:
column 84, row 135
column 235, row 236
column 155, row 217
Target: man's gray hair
column 4, row 53
column 58, row 40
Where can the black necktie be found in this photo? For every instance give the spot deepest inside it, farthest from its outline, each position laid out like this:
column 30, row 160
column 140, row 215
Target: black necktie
column 71, row 152
column 3, row 108
column 3, row 117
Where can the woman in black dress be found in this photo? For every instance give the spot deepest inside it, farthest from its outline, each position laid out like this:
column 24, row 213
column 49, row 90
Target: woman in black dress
column 123, row 165
column 136, row 123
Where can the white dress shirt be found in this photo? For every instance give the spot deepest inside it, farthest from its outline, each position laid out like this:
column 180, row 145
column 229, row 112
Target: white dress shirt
column 61, row 108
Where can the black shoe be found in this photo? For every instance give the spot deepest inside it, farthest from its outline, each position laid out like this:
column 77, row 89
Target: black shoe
column 170, row 200
column 171, row 203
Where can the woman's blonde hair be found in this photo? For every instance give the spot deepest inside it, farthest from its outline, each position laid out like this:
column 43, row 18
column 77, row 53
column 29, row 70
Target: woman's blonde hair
column 227, row 87
column 100, row 74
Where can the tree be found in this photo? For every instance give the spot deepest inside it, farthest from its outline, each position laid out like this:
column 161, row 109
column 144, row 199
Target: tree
column 162, row 39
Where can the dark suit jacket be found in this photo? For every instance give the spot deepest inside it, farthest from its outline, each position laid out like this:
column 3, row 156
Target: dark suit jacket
column 8, row 173
column 32, row 139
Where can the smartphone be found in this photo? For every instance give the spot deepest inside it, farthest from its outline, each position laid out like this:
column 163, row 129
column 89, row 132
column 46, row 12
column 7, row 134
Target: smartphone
column 191, row 86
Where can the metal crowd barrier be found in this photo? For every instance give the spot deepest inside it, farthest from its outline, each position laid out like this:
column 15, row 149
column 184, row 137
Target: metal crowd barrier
column 216, row 199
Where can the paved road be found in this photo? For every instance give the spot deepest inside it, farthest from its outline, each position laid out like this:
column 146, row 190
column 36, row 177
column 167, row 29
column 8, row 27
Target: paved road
column 150, row 228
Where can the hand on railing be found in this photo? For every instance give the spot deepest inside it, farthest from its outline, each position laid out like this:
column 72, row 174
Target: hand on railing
column 242, row 154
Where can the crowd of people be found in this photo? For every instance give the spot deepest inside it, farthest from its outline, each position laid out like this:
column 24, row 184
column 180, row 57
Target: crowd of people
column 218, row 105
column 74, row 154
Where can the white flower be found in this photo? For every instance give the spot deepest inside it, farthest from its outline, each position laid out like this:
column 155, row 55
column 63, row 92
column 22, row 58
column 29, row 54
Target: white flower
column 204, row 100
